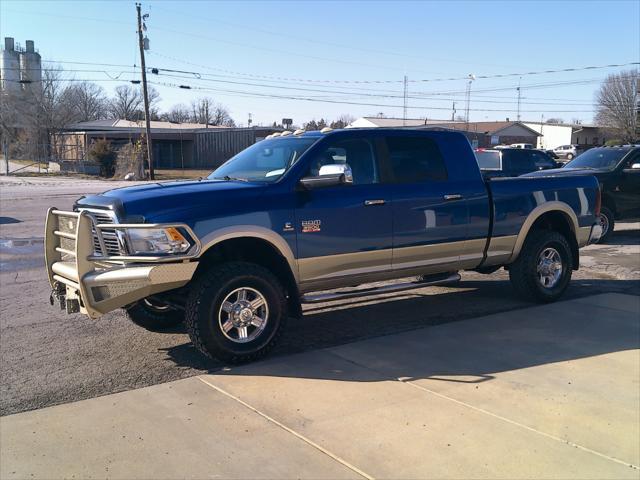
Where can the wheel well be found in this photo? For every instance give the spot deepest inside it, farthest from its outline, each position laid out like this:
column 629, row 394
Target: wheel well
column 260, row 252
column 561, row 223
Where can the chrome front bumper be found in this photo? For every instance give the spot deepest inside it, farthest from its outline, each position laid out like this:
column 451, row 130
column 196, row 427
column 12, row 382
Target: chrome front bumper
column 95, row 285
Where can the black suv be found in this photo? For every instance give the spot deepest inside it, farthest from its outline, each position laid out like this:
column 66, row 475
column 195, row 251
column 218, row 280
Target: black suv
column 513, row 162
column 618, row 170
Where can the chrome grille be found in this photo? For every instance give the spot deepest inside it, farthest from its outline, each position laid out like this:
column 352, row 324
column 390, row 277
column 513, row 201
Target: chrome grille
column 110, row 237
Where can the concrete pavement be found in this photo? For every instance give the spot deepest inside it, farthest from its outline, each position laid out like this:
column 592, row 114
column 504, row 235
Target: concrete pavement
column 543, row 392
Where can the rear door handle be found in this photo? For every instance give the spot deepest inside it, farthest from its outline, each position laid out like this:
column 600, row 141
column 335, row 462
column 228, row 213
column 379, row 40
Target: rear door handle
column 368, row 203
column 453, row 196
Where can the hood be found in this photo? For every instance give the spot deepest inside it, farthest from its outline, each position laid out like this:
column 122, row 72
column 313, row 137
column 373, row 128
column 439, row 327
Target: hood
column 564, row 172
column 151, row 200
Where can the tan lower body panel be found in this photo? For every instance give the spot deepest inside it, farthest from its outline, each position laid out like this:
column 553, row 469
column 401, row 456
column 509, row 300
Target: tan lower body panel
column 500, row 250
column 583, row 236
column 325, row 272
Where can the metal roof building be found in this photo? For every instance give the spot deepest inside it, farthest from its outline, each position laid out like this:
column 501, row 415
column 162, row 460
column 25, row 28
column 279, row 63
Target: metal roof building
column 175, row 145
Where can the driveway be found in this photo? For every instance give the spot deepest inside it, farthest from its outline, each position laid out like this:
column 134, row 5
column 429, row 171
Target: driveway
column 541, row 392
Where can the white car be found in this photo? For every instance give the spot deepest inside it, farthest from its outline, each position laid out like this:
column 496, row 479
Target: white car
column 566, row 151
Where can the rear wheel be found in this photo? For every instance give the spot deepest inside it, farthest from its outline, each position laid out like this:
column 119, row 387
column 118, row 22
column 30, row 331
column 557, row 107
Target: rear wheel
column 236, row 312
column 154, row 315
column 569, row 156
column 543, row 269
column 607, row 222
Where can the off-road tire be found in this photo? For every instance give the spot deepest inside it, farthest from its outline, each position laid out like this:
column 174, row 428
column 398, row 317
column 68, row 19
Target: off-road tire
column 154, row 320
column 205, row 301
column 523, row 272
column 604, row 211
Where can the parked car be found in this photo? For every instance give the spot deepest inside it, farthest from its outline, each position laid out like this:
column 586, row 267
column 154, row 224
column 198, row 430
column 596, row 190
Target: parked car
column 512, row 162
column 568, row 152
column 552, row 154
column 294, row 217
column 618, row 171
column 528, row 146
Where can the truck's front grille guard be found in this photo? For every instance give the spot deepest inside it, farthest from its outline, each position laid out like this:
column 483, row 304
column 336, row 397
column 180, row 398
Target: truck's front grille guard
column 77, row 230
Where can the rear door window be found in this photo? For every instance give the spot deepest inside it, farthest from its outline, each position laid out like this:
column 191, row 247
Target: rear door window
column 488, row 160
column 415, row 159
column 516, row 162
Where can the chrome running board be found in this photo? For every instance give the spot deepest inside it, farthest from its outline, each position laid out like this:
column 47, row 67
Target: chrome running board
column 426, row 281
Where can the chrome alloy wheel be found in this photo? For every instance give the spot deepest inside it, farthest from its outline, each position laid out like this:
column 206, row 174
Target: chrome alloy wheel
column 604, row 223
column 549, row 267
column 243, row 315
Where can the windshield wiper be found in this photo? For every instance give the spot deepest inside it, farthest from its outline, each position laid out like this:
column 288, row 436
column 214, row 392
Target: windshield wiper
column 227, row 178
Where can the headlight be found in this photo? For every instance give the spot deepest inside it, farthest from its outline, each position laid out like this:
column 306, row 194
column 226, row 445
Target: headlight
column 157, row 241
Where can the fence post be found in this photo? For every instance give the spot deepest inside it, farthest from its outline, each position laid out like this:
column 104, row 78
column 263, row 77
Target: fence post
column 5, row 152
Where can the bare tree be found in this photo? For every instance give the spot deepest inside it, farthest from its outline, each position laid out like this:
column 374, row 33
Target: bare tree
column 128, row 102
column 87, row 101
column 342, row 121
column 205, row 110
column 618, row 105
column 177, row 114
column 555, row 121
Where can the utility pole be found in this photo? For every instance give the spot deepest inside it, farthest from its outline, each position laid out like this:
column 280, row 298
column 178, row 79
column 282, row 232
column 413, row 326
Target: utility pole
column 453, row 112
column 145, row 93
column 519, row 92
column 406, row 98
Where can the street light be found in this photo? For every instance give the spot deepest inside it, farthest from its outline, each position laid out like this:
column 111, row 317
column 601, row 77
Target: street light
column 471, row 77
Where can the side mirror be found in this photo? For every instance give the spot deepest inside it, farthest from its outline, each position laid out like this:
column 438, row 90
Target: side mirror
column 329, row 176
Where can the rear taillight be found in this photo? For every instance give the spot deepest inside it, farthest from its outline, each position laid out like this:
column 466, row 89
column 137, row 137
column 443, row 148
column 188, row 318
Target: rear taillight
column 598, row 201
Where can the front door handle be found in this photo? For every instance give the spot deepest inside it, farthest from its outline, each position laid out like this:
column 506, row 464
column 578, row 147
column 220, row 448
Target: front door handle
column 368, row 203
column 453, row 196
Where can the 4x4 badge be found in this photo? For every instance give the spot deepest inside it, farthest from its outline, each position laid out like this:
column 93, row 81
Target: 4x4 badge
column 288, row 227
column 309, row 226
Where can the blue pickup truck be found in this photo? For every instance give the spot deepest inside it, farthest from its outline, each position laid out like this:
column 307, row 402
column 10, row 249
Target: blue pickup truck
column 304, row 217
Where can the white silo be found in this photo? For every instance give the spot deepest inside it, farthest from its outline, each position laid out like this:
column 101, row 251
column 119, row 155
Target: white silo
column 10, row 68
column 30, row 68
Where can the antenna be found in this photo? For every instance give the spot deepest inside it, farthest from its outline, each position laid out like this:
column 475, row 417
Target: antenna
column 406, row 98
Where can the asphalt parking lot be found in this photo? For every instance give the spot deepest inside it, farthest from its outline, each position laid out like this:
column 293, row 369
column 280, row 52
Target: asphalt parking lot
column 48, row 357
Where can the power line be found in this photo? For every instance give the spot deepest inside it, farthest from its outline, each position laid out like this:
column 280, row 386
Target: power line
column 344, row 102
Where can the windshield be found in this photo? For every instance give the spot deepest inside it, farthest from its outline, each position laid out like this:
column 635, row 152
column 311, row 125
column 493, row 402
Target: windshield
column 265, row 161
column 599, row 158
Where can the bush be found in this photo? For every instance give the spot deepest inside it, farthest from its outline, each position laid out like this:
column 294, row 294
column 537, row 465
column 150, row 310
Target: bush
column 104, row 155
column 613, row 141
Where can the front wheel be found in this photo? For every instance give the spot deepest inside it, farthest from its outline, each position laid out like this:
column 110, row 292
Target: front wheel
column 607, row 222
column 543, row 269
column 570, row 156
column 153, row 315
column 236, row 312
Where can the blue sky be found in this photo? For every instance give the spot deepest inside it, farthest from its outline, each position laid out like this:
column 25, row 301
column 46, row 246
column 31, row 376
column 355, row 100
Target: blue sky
column 251, row 54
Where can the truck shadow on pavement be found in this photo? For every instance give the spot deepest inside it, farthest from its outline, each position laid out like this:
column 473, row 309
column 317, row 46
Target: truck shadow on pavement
column 453, row 353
